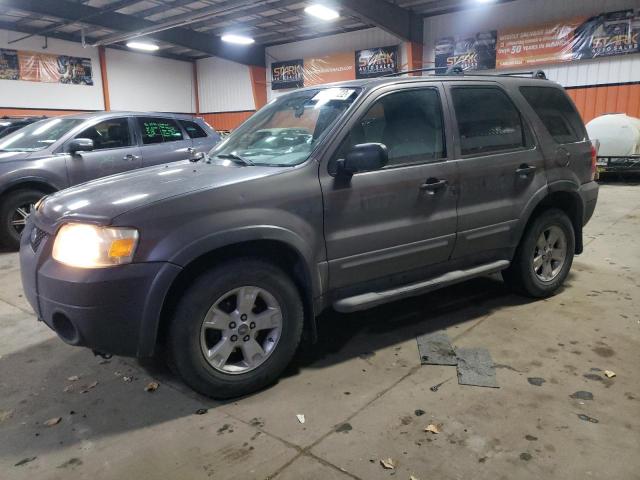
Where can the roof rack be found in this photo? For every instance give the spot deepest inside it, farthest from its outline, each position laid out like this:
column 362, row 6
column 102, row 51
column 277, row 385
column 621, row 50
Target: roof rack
column 457, row 70
column 533, row 74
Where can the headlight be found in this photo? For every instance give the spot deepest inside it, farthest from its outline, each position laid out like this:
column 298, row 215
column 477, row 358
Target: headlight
column 89, row 246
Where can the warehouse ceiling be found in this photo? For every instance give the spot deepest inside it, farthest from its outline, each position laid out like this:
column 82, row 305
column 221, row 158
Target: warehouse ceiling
column 188, row 29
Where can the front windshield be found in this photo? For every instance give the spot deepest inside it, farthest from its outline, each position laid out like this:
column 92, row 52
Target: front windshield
column 38, row 136
column 284, row 132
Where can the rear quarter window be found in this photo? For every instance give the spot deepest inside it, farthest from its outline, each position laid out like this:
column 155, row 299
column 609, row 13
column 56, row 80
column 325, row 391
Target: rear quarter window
column 556, row 112
column 193, row 129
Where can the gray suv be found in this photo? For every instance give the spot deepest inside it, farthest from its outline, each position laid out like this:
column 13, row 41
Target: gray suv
column 347, row 196
column 56, row 153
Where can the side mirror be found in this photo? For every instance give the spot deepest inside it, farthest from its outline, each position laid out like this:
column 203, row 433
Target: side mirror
column 363, row 158
column 80, row 145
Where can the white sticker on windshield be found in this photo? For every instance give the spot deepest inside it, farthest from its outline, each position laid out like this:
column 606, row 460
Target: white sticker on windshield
column 328, row 94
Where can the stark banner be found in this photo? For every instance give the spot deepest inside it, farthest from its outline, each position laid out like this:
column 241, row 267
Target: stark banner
column 375, row 62
column 471, row 52
column 287, row 74
column 44, row 67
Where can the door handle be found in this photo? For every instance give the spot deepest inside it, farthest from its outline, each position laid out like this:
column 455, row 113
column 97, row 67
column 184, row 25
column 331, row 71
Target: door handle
column 131, row 157
column 525, row 170
column 433, row 185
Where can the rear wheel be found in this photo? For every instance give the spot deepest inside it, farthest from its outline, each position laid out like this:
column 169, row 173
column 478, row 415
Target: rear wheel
column 544, row 257
column 15, row 207
column 236, row 328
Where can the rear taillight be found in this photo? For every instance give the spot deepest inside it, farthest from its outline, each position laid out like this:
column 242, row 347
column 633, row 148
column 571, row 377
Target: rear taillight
column 594, row 162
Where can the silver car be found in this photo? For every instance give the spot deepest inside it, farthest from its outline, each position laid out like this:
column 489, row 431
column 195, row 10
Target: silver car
column 57, row 153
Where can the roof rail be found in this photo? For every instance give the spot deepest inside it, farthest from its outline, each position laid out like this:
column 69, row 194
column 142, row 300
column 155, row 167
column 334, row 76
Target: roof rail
column 533, row 74
column 458, row 70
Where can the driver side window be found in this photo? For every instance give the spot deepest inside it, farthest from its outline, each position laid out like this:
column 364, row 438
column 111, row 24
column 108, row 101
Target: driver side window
column 409, row 123
column 112, row 133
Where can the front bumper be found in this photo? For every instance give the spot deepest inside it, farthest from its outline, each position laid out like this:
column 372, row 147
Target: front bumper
column 112, row 310
column 589, row 194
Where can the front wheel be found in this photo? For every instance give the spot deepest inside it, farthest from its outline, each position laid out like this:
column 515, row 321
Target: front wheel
column 544, row 257
column 15, row 207
column 236, row 328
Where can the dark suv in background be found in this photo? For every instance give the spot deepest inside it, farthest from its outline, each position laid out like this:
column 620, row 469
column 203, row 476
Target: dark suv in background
column 346, row 196
column 11, row 124
column 56, row 153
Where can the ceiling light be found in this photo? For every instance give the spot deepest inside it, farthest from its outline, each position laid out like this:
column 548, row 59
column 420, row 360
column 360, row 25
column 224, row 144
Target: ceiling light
column 322, row 12
column 485, row 1
column 149, row 47
column 239, row 39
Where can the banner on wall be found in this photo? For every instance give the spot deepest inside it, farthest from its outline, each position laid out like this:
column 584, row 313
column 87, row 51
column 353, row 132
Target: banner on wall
column 335, row 67
column 287, row 74
column 375, row 62
column 9, row 69
column 44, row 67
column 469, row 52
column 607, row 34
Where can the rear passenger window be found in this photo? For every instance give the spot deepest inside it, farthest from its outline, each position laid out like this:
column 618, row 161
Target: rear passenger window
column 488, row 121
column 158, row 130
column 556, row 112
column 409, row 123
column 193, row 129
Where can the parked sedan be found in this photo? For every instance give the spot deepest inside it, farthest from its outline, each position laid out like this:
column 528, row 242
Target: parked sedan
column 57, row 153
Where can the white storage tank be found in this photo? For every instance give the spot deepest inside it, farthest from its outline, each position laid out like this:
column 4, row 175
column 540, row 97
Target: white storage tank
column 617, row 133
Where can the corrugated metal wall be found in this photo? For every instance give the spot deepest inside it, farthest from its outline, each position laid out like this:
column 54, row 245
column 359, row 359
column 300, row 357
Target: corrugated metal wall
column 224, row 86
column 146, row 82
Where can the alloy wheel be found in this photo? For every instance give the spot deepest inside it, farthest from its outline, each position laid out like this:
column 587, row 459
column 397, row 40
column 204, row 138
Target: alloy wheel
column 550, row 253
column 241, row 330
column 19, row 216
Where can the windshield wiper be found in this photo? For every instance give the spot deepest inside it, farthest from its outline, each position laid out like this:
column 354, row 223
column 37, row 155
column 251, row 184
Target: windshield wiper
column 236, row 158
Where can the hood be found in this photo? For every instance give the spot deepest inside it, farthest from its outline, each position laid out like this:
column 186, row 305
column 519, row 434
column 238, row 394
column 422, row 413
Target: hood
column 13, row 156
column 104, row 199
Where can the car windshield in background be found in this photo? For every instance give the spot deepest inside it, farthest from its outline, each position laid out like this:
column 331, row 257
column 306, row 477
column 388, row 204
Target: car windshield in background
column 285, row 131
column 38, row 136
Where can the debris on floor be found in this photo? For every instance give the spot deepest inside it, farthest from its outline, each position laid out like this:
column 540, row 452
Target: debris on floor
column 201, row 411
column 475, row 367
column 388, row 464
column 301, row 418
column 582, row 395
column 24, row 461
column 537, row 381
column 433, row 428
column 587, row 418
column 435, row 349
column 73, row 378
column 151, row 387
column 91, row 386
column 53, row 421
column 413, row 477
column 437, row 386
column 419, row 412
column 609, row 373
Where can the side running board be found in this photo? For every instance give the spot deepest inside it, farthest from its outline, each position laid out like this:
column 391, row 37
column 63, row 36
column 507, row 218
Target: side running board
column 373, row 299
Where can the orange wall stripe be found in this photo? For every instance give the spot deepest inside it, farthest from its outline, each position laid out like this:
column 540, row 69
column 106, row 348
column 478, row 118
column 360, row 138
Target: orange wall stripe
column 226, row 120
column 592, row 102
column 103, row 73
column 414, row 56
column 34, row 112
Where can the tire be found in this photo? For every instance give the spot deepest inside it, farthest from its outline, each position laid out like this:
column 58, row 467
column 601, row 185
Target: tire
column 544, row 277
column 189, row 338
column 9, row 231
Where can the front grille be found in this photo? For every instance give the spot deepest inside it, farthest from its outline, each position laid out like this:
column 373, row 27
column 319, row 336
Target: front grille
column 37, row 236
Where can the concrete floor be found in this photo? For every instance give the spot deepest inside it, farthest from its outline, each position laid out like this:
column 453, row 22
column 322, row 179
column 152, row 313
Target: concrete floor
column 359, row 388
